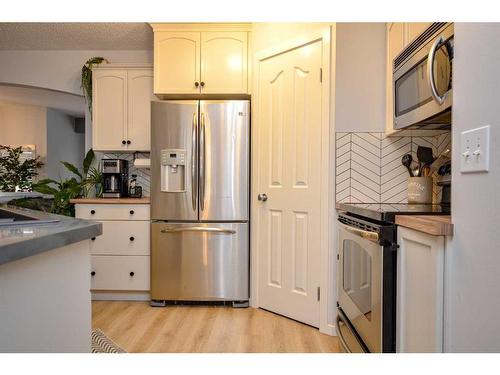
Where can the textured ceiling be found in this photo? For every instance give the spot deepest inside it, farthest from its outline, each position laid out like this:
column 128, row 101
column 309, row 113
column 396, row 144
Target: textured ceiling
column 75, row 36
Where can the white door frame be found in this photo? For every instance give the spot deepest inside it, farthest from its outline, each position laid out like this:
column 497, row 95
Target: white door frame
column 328, row 237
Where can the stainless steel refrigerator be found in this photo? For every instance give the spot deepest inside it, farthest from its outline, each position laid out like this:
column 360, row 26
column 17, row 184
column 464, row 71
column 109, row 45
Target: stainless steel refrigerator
column 200, row 160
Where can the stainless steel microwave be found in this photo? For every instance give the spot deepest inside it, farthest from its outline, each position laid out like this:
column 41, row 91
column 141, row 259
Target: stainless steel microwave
column 422, row 80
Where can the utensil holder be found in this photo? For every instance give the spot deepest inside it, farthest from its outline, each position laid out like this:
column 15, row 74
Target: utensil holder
column 420, row 189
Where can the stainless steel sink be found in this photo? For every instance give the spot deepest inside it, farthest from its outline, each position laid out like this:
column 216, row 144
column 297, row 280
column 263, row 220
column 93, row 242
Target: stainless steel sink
column 12, row 217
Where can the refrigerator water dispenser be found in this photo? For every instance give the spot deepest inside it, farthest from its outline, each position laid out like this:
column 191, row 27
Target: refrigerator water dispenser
column 173, row 170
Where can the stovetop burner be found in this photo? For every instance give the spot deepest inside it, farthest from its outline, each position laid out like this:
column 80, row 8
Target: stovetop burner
column 388, row 211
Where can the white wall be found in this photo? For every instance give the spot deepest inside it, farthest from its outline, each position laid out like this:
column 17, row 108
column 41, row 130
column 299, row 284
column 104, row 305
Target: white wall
column 58, row 70
column 473, row 261
column 360, row 78
column 63, row 144
column 24, row 125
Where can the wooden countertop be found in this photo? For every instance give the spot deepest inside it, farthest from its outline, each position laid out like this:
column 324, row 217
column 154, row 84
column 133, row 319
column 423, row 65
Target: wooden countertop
column 143, row 200
column 437, row 225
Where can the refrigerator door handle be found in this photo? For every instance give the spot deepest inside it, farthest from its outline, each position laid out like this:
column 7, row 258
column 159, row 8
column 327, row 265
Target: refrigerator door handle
column 198, row 229
column 202, row 162
column 194, row 148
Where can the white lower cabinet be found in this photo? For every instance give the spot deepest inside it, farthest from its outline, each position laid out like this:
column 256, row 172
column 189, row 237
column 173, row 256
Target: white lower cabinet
column 121, row 255
column 420, row 292
column 120, row 273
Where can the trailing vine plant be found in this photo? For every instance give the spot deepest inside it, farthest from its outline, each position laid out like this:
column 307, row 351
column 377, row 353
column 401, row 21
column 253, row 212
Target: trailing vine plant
column 86, row 82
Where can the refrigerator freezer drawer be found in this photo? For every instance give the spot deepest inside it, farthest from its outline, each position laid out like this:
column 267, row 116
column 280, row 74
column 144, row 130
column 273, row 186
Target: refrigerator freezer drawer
column 199, row 261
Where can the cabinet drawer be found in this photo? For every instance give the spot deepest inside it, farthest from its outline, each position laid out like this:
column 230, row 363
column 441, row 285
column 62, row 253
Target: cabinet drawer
column 122, row 238
column 120, row 272
column 112, row 211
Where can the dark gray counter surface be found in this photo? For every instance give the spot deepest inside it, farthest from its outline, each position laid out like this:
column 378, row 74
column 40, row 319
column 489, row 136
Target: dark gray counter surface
column 25, row 240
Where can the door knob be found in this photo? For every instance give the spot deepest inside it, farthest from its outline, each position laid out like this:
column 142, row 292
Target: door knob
column 262, row 197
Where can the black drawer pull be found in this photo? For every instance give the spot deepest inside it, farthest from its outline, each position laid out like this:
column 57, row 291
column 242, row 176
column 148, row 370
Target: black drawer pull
column 92, row 212
column 124, row 142
column 128, row 142
column 131, row 238
column 131, row 212
column 93, row 238
column 92, row 273
column 132, row 273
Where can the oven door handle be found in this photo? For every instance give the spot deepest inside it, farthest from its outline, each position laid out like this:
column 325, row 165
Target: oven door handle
column 430, row 71
column 370, row 236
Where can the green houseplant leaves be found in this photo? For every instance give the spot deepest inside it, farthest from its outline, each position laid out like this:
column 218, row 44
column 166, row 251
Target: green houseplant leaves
column 15, row 174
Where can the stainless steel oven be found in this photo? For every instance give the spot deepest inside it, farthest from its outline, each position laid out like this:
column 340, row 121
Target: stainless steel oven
column 422, row 80
column 366, row 285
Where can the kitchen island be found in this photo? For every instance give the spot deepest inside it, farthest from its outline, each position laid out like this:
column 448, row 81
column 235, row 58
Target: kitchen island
column 44, row 282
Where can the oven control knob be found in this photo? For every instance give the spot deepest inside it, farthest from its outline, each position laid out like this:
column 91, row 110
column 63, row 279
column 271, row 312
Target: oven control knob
column 262, row 197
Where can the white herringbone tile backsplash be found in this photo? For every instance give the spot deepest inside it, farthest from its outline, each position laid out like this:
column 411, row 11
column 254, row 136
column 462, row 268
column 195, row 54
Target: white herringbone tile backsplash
column 369, row 169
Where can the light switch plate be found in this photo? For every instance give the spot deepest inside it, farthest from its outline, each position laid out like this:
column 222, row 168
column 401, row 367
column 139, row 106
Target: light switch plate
column 475, row 150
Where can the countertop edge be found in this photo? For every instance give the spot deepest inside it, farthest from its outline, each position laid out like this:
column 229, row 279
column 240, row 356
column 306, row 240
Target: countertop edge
column 436, row 225
column 33, row 246
column 144, row 200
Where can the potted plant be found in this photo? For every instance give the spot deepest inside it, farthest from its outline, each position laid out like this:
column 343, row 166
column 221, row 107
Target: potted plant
column 86, row 82
column 17, row 175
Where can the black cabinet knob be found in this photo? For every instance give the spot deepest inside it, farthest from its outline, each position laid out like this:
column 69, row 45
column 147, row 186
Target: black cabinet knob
column 131, row 212
column 202, row 84
column 132, row 238
column 92, row 273
column 93, row 238
column 196, row 84
column 132, row 273
column 128, row 142
column 124, row 142
column 92, row 212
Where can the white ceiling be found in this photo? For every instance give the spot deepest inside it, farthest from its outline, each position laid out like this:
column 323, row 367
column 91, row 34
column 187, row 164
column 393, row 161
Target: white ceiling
column 75, row 36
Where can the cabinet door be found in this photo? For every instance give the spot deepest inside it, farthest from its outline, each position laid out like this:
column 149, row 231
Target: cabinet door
column 414, row 29
column 395, row 44
column 109, row 112
column 224, row 62
column 420, row 290
column 176, row 62
column 140, row 95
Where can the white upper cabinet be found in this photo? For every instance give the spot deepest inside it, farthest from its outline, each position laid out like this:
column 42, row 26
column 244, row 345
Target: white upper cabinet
column 177, row 62
column 140, row 95
column 200, row 59
column 109, row 111
column 224, row 62
column 121, row 108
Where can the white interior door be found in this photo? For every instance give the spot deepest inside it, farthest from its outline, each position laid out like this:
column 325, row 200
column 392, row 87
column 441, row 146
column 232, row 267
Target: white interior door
column 290, row 100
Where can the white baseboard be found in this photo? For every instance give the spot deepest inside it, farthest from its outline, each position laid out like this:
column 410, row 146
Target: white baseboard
column 121, row 296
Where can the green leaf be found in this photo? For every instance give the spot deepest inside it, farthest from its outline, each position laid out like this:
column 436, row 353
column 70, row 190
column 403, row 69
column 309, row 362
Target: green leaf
column 72, row 168
column 87, row 162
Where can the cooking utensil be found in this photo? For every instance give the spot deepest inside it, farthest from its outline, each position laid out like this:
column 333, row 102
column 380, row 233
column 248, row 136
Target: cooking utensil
column 415, row 169
column 406, row 161
column 425, row 157
column 443, row 158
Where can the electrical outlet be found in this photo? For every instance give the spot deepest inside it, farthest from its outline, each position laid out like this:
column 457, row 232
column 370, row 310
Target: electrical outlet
column 475, row 150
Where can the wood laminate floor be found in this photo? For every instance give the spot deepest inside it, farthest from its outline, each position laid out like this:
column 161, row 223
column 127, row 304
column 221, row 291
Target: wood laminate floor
column 137, row 327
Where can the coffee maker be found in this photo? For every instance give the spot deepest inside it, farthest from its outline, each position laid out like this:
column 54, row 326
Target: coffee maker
column 115, row 178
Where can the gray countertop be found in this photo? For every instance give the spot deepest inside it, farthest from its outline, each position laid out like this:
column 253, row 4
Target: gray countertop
column 24, row 240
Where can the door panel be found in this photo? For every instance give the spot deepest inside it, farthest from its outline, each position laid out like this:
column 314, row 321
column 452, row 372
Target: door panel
column 224, row 62
column 140, row 95
column 203, row 261
column 289, row 163
column 224, row 173
column 173, row 127
column 177, row 62
column 109, row 109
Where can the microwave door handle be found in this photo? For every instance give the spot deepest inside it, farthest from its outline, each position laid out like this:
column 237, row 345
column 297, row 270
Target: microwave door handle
column 370, row 236
column 194, row 148
column 430, row 65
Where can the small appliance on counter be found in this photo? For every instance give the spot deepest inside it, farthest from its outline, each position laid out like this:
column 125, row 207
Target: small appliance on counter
column 115, row 178
column 367, row 273
column 135, row 191
column 444, row 180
